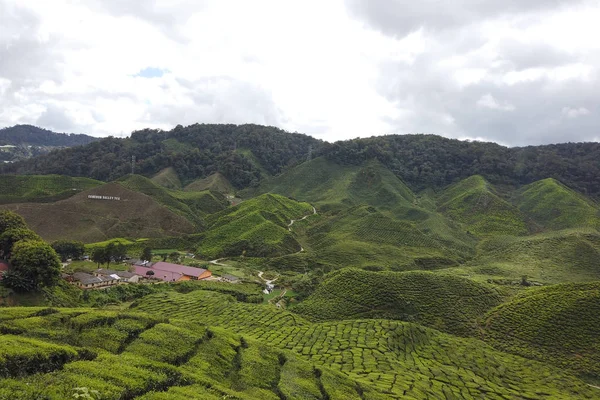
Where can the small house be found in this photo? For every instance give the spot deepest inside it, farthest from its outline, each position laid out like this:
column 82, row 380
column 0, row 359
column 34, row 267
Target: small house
column 122, row 276
column 230, row 278
column 89, row 281
column 169, row 272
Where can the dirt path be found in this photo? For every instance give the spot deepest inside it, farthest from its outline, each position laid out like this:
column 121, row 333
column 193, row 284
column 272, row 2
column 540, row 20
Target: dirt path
column 301, row 219
column 216, row 262
column 595, row 387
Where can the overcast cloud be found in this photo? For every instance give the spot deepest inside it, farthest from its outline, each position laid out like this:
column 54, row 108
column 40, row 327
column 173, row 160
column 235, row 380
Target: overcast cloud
column 513, row 72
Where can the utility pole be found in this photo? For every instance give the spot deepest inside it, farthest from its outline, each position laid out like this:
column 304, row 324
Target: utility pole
column 132, row 165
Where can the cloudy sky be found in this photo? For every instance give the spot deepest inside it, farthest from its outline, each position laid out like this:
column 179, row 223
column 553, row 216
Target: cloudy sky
column 515, row 72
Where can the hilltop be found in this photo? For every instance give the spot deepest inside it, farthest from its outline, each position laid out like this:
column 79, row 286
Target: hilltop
column 246, row 154
column 254, row 228
column 447, row 303
column 558, row 324
column 21, row 142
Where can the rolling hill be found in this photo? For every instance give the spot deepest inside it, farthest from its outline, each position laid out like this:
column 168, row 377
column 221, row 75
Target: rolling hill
column 473, row 203
column 446, row 303
column 553, row 205
column 255, row 228
column 42, row 188
column 215, row 182
column 167, row 178
column 558, row 324
column 135, row 215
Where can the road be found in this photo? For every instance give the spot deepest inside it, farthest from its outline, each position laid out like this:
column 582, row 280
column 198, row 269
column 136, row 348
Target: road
column 301, row 219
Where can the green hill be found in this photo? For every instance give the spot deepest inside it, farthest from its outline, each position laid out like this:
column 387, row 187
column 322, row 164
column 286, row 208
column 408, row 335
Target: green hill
column 135, row 215
column 42, row 188
column 59, row 353
column 554, row 206
column 332, row 186
column 167, row 178
column 257, row 227
column 194, row 206
column 559, row 324
column 399, row 359
column 570, row 255
column 473, row 202
column 215, row 182
column 447, row 303
column 364, row 236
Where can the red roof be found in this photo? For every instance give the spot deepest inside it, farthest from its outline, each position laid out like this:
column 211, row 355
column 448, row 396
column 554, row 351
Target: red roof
column 169, row 272
column 3, row 266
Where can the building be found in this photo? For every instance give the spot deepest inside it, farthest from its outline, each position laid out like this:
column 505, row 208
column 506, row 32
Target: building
column 122, row 276
column 171, row 272
column 3, row 268
column 89, row 281
column 230, row 278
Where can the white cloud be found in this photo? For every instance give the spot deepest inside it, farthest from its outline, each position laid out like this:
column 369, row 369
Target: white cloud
column 336, row 69
column 488, row 101
column 574, row 112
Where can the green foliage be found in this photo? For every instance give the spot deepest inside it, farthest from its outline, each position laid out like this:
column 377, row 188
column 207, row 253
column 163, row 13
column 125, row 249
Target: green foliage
column 559, row 324
column 474, row 203
column 446, row 303
column 552, row 205
column 36, row 262
column 22, row 356
column 10, row 220
column 42, row 188
column 167, row 178
column 66, row 249
column 391, row 358
column 255, row 228
column 14, row 235
column 215, row 182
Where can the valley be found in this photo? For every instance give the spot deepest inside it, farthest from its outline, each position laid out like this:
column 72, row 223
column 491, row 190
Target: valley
column 446, row 281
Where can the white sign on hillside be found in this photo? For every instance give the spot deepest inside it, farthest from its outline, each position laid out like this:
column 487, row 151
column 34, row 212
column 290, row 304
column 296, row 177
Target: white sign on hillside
column 96, row 197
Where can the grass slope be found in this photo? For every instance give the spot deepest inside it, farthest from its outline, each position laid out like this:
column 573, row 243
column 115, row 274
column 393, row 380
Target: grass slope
column 569, row 255
column 400, row 359
column 554, row 206
column 364, row 236
column 41, row 188
column 332, row 186
column 215, row 182
column 191, row 205
column 167, row 178
column 257, row 227
column 473, row 202
column 50, row 353
column 447, row 303
column 79, row 218
column 558, row 324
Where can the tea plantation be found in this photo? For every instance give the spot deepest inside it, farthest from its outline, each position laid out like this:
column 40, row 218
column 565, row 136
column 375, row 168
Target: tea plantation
column 447, row 303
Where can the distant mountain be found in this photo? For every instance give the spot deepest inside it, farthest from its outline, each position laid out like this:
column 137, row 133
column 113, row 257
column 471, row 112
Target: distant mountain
column 21, row 142
column 34, row 136
column 247, row 154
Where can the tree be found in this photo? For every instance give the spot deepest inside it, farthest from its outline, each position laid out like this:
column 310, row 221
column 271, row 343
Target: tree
column 147, row 254
column 68, row 249
column 120, row 252
column 100, row 255
column 174, row 257
column 34, row 264
column 149, row 273
column 10, row 220
column 12, row 236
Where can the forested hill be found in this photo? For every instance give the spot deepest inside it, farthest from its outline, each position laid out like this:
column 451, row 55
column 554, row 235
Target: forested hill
column 245, row 154
column 34, row 136
column 242, row 153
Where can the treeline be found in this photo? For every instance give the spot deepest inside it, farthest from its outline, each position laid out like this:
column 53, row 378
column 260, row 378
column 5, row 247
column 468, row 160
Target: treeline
column 195, row 152
column 34, row 136
column 429, row 161
column 422, row 161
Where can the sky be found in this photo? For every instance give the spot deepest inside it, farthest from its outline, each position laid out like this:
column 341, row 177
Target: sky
column 513, row 72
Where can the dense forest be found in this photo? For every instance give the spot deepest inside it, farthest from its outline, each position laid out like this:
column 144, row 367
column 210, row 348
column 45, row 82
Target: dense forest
column 247, row 153
column 34, row 136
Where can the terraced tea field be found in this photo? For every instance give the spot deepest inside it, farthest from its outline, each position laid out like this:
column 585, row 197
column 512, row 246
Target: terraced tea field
column 397, row 358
